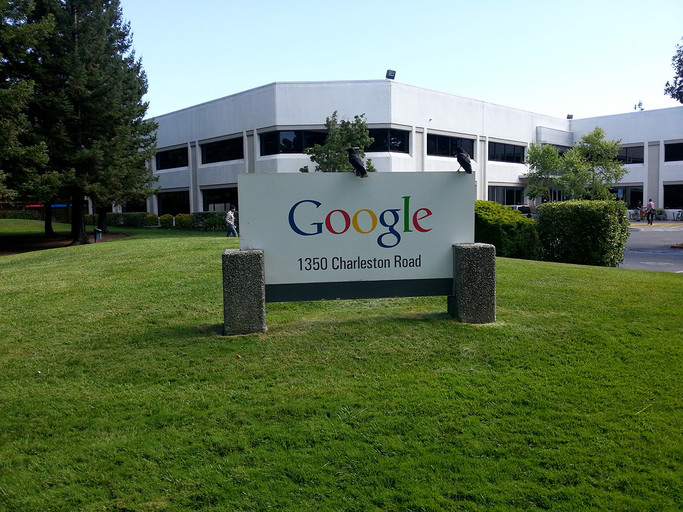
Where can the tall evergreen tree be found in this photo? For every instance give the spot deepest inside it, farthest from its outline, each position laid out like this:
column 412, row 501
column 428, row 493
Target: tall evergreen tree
column 89, row 109
column 18, row 39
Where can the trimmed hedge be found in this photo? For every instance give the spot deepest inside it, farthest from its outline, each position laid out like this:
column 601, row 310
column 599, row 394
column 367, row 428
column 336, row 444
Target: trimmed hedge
column 583, row 232
column 210, row 221
column 513, row 234
column 151, row 220
column 184, row 221
column 204, row 221
column 166, row 221
column 133, row 219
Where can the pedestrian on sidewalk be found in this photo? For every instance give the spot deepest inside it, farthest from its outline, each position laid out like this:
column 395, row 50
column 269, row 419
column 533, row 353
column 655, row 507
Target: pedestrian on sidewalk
column 650, row 212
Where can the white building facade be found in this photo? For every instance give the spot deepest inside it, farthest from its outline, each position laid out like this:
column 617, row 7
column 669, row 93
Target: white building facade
column 202, row 149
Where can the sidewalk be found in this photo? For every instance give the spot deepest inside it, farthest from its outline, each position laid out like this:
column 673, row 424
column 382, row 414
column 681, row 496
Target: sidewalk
column 650, row 247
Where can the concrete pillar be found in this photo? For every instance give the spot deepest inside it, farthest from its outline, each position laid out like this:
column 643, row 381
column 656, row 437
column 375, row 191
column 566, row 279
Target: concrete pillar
column 244, row 292
column 474, row 283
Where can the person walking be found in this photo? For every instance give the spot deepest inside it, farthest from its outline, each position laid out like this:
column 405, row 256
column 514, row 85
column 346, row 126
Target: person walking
column 650, row 212
column 230, row 219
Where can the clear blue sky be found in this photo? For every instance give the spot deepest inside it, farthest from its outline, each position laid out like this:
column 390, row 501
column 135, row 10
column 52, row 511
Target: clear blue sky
column 584, row 57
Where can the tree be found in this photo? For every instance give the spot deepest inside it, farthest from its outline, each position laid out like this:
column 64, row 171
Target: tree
column 591, row 167
column 675, row 90
column 332, row 156
column 88, row 107
column 544, row 167
column 586, row 171
column 18, row 38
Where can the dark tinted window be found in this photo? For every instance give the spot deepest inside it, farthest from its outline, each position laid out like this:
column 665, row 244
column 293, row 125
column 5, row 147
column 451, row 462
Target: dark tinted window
column 222, row 151
column 673, row 152
column 441, row 145
column 631, row 155
column 389, row 139
column 289, row 141
column 172, row 158
column 500, row 152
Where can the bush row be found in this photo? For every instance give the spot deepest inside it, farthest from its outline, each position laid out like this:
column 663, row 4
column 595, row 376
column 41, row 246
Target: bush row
column 583, row 232
column 19, row 214
column 201, row 221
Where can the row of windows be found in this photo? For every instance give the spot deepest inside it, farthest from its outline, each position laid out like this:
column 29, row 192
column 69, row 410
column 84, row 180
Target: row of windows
column 295, row 141
column 385, row 139
column 289, row 141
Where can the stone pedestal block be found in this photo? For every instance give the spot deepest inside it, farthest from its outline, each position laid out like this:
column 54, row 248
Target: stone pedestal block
column 244, row 295
column 474, row 283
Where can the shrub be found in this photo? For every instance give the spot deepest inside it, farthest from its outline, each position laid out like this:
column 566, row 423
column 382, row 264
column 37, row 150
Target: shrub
column 151, row 220
column 166, row 221
column 22, row 214
column 133, row 219
column 583, row 232
column 513, row 234
column 184, row 221
column 91, row 219
column 210, row 221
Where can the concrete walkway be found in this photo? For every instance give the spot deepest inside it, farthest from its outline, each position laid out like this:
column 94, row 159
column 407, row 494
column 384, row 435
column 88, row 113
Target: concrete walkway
column 649, row 247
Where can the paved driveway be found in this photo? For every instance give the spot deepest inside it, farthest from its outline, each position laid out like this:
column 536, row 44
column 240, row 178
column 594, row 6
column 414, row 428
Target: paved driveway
column 649, row 247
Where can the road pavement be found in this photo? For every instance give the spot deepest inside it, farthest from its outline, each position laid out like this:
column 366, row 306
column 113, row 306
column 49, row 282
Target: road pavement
column 650, row 247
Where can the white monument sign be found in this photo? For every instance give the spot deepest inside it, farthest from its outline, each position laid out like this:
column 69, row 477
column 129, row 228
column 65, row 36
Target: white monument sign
column 389, row 229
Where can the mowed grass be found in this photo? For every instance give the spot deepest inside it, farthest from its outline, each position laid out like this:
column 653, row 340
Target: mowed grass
column 117, row 393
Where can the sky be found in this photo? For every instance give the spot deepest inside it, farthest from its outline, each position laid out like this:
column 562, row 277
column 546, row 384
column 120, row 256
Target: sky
column 581, row 57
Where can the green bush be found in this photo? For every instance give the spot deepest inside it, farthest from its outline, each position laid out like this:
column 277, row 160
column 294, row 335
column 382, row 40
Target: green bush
column 184, row 221
column 583, row 232
column 22, row 214
column 132, row 219
column 166, row 221
column 513, row 234
column 91, row 219
column 151, row 220
column 210, row 221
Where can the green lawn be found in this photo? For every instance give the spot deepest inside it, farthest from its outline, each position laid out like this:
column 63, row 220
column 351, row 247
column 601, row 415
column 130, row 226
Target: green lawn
column 117, row 394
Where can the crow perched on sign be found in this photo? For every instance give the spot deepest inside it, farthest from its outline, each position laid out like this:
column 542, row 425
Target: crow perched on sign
column 463, row 160
column 357, row 163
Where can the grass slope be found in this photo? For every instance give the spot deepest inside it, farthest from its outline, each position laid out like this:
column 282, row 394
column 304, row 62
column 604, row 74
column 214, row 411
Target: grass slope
column 117, row 394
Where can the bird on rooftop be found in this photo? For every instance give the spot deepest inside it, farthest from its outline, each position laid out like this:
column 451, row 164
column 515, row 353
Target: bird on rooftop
column 463, row 160
column 357, row 163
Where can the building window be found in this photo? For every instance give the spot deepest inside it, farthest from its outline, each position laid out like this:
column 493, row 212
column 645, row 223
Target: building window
column 673, row 196
column 172, row 158
column 389, row 139
column 499, row 152
column 222, row 151
column 673, row 152
column 289, row 141
column 441, row 145
column 507, row 195
column 631, row 155
column 219, row 199
column 173, row 203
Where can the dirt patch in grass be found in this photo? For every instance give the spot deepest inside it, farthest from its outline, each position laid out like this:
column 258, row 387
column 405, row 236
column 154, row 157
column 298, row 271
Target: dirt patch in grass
column 27, row 243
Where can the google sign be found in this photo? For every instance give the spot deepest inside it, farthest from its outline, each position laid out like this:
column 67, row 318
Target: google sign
column 333, row 235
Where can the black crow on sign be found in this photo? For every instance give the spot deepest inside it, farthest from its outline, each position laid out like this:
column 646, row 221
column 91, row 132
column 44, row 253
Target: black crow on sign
column 463, row 160
column 357, row 163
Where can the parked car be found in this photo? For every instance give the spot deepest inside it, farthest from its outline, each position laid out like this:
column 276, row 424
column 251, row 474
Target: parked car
column 524, row 209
